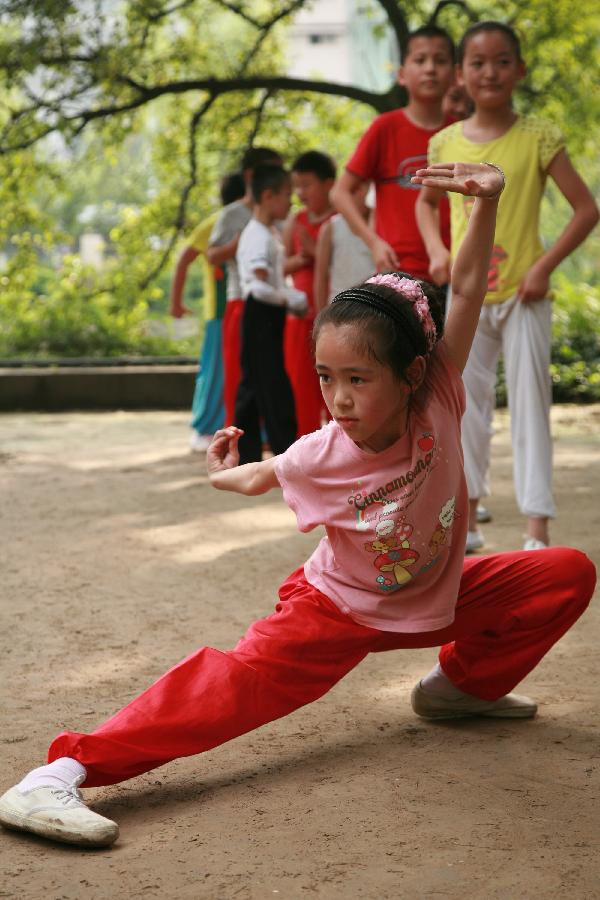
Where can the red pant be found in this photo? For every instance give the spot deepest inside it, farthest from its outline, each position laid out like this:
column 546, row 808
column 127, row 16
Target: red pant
column 300, row 366
column 232, row 352
column 511, row 609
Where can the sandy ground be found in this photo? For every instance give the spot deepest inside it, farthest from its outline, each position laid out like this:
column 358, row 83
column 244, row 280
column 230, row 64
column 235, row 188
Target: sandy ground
column 119, row 559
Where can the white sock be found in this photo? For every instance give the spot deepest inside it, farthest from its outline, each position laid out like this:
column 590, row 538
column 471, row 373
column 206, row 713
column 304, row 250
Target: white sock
column 61, row 773
column 437, row 682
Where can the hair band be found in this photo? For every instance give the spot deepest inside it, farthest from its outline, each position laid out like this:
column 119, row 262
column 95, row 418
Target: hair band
column 412, row 291
column 369, row 298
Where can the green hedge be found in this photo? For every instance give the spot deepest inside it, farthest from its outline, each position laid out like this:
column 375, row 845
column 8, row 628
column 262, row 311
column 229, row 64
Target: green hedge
column 72, row 314
column 575, row 366
column 60, row 317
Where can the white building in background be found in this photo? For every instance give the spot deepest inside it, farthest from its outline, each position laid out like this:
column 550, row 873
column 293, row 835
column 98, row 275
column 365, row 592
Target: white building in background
column 343, row 40
column 91, row 249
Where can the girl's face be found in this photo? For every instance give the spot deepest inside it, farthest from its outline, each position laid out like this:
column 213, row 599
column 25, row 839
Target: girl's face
column 490, row 69
column 363, row 396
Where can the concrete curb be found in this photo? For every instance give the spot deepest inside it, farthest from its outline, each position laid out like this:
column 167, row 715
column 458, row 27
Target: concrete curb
column 110, row 387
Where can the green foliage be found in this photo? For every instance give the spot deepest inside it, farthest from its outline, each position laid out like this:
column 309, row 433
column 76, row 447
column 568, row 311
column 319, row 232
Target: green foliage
column 145, row 176
column 67, row 314
column 575, row 366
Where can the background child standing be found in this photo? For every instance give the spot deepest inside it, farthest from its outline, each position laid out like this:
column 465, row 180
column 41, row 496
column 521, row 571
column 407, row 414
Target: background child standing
column 456, row 103
column 265, row 392
column 516, row 318
column 222, row 249
column 390, row 152
column 313, row 175
column 208, row 412
column 342, row 259
column 389, row 575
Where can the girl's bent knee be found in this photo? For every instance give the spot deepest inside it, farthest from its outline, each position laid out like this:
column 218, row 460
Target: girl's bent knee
column 574, row 569
column 587, row 573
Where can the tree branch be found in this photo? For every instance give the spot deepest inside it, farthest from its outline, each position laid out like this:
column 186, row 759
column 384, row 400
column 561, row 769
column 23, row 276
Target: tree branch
column 166, row 11
column 265, row 31
column 74, row 120
column 259, row 110
column 238, row 10
column 77, row 121
column 472, row 15
column 397, row 20
column 181, row 211
column 216, row 87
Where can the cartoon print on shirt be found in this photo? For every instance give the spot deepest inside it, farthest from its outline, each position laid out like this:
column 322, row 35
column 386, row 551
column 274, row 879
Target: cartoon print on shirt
column 408, row 483
column 394, row 553
column 499, row 254
column 383, row 509
column 362, row 521
column 441, row 535
column 426, row 442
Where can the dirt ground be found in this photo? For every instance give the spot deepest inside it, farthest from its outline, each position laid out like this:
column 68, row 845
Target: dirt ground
column 119, row 559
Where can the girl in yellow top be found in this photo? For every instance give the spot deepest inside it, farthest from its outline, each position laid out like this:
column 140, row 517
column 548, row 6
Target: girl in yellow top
column 516, row 317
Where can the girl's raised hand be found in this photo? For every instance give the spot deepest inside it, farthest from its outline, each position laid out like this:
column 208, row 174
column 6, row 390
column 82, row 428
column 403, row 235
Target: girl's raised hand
column 223, row 450
column 473, row 179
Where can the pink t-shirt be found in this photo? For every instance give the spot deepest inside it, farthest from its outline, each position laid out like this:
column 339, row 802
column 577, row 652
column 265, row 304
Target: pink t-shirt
column 396, row 521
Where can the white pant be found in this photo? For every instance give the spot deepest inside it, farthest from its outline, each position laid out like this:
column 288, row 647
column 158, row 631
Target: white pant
column 522, row 333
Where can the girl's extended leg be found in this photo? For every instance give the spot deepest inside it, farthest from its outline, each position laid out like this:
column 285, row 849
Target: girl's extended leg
column 283, row 662
column 512, row 608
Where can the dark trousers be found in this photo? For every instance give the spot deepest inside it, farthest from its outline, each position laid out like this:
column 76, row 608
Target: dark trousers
column 265, row 391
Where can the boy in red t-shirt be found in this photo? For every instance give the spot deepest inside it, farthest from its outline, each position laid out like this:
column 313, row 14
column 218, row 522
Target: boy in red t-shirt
column 313, row 175
column 392, row 149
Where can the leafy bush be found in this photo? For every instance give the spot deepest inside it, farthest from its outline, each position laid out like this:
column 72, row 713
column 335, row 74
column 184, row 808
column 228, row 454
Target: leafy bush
column 69, row 314
column 575, row 366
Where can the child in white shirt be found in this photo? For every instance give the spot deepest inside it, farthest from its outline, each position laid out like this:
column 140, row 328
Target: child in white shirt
column 265, row 391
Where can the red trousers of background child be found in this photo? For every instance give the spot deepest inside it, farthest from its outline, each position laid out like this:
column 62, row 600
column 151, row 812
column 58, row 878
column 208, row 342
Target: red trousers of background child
column 300, row 366
column 511, row 609
column 232, row 353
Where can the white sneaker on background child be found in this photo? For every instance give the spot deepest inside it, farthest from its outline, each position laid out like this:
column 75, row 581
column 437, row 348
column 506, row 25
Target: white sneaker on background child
column 532, row 543
column 475, row 541
column 483, row 514
column 200, row 442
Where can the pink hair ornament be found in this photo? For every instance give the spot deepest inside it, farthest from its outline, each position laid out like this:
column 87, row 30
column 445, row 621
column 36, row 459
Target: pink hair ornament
column 411, row 290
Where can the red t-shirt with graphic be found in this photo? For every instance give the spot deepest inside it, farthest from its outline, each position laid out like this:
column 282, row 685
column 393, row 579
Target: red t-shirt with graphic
column 388, row 154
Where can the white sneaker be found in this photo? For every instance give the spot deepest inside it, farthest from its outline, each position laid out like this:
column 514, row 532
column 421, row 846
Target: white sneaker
column 483, row 514
column 57, row 813
column 200, row 442
column 433, row 706
column 475, row 541
column 532, row 543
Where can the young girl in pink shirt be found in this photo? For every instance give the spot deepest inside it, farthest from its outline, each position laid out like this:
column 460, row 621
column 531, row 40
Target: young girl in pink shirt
column 385, row 478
